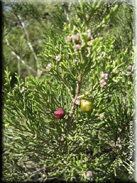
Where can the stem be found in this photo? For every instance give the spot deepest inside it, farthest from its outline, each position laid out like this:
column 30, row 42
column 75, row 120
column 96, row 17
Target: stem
column 29, row 44
column 75, row 98
column 18, row 67
column 67, row 8
column 19, row 58
column 68, row 11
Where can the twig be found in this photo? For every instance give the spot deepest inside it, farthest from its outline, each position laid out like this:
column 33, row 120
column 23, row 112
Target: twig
column 131, row 5
column 68, row 11
column 15, row 23
column 29, row 44
column 18, row 57
column 67, row 8
column 22, row 61
column 75, row 98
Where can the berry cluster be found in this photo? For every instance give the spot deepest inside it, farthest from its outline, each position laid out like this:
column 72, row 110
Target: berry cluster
column 85, row 106
column 105, row 77
column 81, row 41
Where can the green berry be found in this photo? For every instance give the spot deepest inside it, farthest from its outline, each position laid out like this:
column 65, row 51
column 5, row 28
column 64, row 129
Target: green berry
column 85, row 105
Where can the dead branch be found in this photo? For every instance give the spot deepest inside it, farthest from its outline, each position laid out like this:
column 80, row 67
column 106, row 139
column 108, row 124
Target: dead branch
column 29, row 44
column 19, row 58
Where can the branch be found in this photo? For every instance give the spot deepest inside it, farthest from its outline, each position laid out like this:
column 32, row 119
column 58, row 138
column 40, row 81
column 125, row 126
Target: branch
column 75, row 98
column 15, row 23
column 29, row 44
column 67, row 8
column 18, row 57
column 68, row 11
column 129, row 4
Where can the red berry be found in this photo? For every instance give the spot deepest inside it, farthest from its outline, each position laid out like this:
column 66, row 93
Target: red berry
column 105, row 75
column 129, row 67
column 69, row 38
column 59, row 113
column 87, row 16
column 88, row 174
column 78, row 47
column 76, row 38
column 48, row 68
column 58, row 58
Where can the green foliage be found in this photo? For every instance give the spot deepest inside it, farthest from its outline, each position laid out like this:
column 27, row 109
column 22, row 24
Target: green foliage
column 39, row 147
